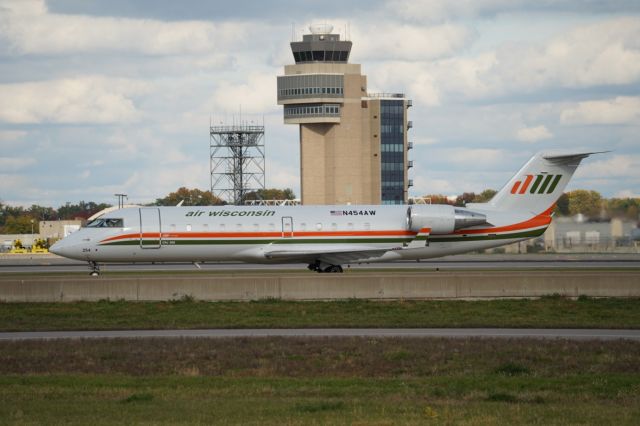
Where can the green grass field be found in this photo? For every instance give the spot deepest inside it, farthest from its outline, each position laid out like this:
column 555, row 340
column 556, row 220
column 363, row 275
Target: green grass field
column 319, row 381
column 545, row 312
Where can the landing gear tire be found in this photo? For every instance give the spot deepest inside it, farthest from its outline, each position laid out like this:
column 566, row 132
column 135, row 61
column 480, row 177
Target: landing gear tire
column 320, row 268
column 95, row 269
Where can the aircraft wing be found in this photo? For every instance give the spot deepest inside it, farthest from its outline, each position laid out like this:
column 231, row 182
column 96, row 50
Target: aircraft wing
column 333, row 257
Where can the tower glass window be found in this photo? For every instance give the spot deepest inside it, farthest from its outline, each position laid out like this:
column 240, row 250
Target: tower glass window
column 392, row 151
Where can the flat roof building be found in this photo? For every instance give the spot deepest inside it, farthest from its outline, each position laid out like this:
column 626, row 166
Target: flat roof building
column 353, row 144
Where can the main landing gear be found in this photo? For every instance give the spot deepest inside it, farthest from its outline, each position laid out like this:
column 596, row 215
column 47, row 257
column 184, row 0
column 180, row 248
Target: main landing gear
column 95, row 269
column 323, row 267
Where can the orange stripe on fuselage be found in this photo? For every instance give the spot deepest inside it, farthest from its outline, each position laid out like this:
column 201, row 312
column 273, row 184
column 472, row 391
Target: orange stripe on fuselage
column 264, row 234
column 543, row 219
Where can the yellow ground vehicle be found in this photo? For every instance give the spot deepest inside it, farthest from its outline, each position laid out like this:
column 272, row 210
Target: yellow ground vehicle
column 39, row 246
column 18, row 248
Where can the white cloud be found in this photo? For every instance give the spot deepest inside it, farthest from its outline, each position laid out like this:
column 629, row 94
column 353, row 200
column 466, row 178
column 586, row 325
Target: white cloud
column 423, row 141
column 13, row 164
column 71, row 100
column 618, row 166
column 595, row 54
column 30, row 28
column 11, row 135
column 425, row 186
column 627, row 193
column 409, row 42
column 483, row 158
column 533, row 134
column 256, row 95
column 442, row 10
column 620, row 110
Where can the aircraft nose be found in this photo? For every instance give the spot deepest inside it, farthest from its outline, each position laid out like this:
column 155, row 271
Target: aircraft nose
column 65, row 248
column 57, row 248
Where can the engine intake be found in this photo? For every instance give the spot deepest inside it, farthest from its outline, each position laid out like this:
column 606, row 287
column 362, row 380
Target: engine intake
column 442, row 218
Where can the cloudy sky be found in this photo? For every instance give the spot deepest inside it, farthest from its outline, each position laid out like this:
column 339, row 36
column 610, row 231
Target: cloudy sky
column 106, row 96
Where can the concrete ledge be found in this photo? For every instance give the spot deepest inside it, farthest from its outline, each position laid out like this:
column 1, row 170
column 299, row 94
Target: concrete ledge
column 380, row 286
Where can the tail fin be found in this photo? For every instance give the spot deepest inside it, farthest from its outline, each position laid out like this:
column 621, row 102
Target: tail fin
column 538, row 184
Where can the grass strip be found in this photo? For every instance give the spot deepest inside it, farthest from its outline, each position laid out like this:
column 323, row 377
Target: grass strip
column 546, row 312
column 320, row 381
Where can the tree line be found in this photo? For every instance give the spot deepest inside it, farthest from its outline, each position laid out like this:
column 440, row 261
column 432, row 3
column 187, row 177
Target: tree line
column 591, row 204
column 18, row 220
column 21, row 220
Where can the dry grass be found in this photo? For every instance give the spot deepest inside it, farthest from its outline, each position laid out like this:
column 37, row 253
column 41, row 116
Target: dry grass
column 321, row 357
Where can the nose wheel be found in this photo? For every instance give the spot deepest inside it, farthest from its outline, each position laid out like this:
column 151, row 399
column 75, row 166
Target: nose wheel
column 95, row 269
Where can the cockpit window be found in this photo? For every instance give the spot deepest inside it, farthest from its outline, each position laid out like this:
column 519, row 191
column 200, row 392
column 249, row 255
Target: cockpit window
column 106, row 223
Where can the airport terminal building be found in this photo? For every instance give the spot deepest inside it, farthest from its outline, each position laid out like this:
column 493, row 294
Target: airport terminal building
column 353, row 144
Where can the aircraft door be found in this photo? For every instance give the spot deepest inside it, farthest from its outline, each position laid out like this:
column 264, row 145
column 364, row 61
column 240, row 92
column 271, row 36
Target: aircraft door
column 150, row 228
column 287, row 227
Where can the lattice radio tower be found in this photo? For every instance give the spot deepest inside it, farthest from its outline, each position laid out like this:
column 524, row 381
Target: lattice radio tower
column 237, row 161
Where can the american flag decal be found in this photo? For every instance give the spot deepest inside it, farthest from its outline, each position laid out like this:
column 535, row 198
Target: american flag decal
column 336, row 212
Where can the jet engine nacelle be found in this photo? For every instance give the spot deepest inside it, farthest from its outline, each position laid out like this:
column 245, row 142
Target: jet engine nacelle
column 442, row 218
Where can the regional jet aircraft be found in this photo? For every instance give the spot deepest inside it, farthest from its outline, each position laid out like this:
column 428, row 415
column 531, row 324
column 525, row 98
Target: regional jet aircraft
column 326, row 237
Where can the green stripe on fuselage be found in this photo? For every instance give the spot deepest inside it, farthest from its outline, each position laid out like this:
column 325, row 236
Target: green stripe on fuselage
column 171, row 242
column 457, row 238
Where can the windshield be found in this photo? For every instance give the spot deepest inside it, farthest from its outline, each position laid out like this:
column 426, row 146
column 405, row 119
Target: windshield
column 106, row 223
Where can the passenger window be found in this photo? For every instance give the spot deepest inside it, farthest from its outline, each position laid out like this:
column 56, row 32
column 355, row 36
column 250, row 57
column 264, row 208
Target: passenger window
column 319, row 226
column 256, row 227
column 188, row 228
column 272, row 227
column 350, row 226
column 334, row 226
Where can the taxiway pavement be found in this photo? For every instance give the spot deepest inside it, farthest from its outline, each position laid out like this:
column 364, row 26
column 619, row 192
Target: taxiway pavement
column 509, row 333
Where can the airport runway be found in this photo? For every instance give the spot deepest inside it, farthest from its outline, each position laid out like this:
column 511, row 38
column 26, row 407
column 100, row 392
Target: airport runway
column 510, row 333
column 51, row 263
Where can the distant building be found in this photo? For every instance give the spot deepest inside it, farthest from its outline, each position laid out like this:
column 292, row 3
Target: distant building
column 353, row 144
column 53, row 230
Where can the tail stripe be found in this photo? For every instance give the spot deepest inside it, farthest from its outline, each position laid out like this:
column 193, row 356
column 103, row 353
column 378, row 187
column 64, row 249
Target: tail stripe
column 554, row 184
column 515, row 187
column 546, row 182
column 534, row 188
column 526, row 183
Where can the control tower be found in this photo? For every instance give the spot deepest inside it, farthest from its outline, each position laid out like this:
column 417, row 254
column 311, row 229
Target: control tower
column 353, row 145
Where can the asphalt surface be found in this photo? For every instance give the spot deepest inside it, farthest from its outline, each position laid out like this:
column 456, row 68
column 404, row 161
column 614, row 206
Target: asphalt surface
column 570, row 334
column 52, row 263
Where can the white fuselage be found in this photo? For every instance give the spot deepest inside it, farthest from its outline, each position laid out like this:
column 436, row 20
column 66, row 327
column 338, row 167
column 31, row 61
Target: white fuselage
column 291, row 234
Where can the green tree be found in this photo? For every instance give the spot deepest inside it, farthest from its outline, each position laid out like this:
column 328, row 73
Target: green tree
column 466, row 197
column 42, row 213
column 20, row 225
column 562, row 205
column 485, row 196
column 270, row 194
column 589, row 203
column 627, row 208
column 191, row 197
column 82, row 210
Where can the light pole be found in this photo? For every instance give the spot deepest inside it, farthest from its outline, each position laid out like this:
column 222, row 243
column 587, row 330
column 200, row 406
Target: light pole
column 121, row 198
column 32, row 221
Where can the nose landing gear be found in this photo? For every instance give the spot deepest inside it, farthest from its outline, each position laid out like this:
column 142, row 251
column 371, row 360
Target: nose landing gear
column 95, row 269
